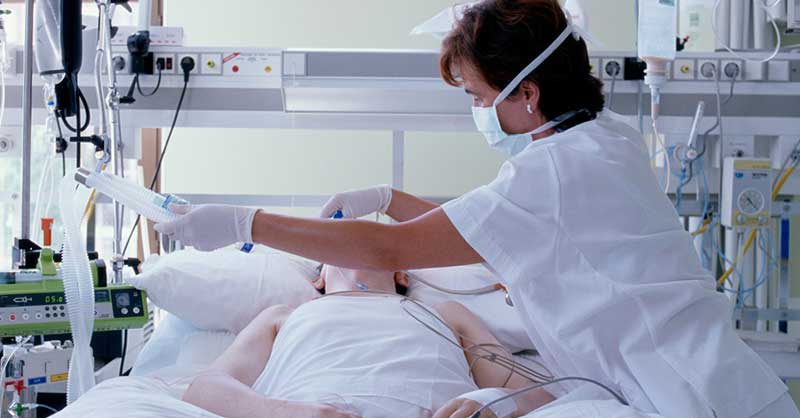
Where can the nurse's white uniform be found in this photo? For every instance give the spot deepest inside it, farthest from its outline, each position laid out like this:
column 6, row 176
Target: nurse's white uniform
column 607, row 280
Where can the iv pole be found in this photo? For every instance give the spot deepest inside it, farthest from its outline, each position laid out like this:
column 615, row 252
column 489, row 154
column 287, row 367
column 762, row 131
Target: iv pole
column 27, row 123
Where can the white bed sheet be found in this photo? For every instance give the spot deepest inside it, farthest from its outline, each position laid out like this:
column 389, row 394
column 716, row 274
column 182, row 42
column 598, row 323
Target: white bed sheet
column 158, row 394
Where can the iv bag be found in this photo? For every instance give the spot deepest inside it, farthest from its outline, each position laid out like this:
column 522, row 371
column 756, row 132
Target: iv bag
column 48, row 50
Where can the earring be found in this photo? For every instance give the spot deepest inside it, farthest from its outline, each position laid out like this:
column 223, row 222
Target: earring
column 530, row 109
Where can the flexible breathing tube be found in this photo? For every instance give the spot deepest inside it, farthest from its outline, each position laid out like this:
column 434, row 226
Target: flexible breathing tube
column 497, row 287
column 79, row 292
column 149, row 204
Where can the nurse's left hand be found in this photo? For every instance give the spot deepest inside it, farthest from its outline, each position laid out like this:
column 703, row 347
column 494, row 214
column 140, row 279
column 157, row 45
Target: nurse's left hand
column 462, row 408
column 210, row 227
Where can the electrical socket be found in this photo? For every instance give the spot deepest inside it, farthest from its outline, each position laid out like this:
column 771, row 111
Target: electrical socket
column 8, row 147
column 612, row 64
column 170, row 64
column 196, row 59
column 730, row 70
column 707, row 69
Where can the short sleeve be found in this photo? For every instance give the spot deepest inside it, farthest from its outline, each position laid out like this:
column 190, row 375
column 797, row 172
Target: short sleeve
column 512, row 222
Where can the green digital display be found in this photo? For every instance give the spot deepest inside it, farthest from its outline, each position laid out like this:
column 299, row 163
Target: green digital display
column 55, row 299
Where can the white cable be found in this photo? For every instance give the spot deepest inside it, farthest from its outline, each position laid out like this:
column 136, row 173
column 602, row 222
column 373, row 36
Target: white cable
column 772, row 20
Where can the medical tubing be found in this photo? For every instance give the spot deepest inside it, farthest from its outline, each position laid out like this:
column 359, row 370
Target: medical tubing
column 654, row 112
column 540, row 385
column 496, row 358
column 765, row 7
column 79, row 292
column 7, row 360
column 476, row 349
column 472, row 292
column 775, row 192
column 149, row 204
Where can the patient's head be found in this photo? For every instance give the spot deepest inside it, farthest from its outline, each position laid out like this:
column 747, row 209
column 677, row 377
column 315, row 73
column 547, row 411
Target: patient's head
column 336, row 279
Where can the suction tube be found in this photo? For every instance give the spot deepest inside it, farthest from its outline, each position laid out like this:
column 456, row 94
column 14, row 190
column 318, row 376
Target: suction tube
column 79, row 291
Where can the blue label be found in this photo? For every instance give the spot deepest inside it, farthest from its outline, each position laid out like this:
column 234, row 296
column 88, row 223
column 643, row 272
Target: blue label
column 37, row 381
column 739, row 175
column 247, row 248
column 338, row 215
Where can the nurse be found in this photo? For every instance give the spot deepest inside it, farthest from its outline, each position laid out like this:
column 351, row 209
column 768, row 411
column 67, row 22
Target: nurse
column 600, row 268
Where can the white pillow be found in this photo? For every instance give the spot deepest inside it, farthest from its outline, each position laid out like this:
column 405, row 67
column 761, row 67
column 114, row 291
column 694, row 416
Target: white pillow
column 224, row 290
column 502, row 320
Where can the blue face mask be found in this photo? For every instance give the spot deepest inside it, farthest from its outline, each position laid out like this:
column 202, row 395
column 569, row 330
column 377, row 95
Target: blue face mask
column 488, row 121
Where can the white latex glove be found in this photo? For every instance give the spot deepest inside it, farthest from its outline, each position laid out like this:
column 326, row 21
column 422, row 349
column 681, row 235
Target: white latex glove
column 210, row 227
column 358, row 203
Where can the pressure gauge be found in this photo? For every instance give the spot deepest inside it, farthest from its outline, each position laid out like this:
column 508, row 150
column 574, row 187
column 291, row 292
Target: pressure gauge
column 746, row 192
column 751, row 202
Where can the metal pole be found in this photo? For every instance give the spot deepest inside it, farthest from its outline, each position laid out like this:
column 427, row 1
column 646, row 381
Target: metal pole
column 27, row 123
column 115, row 145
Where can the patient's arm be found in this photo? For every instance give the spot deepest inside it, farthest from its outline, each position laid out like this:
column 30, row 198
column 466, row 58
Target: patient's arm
column 226, row 388
column 487, row 374
column 405, row 207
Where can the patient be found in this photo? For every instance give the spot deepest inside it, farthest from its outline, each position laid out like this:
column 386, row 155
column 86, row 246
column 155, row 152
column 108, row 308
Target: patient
column 354, row 355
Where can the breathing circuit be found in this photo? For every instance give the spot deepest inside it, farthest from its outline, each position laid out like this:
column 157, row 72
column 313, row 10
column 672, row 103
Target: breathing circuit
column 149, row 204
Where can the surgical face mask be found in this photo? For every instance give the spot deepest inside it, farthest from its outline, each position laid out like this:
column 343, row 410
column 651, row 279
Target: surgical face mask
column 488, row 121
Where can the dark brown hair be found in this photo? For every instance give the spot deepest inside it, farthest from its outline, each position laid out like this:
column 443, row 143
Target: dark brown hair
column 499, row 38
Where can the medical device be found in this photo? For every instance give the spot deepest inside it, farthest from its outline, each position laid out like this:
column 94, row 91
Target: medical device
column 747, row 187
column 26, row 369
column 658, row 20
column 145, row 202
column 33, row 305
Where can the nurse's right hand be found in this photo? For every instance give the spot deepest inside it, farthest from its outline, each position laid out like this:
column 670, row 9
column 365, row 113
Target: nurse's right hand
column 210, row 227
column 358, row 203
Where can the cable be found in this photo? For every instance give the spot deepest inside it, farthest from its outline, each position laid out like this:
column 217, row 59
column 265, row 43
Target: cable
column 540, row 385
column 479, row 350
column 772, row 20
column 124, row 352
column 155, row 90
column 612, row 91
column 497, row 287
column 160, row 161
column 87, row 110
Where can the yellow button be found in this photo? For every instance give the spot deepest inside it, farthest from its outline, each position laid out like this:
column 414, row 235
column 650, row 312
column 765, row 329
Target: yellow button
column 267, row 69
column 686, row 69
column 211, row 64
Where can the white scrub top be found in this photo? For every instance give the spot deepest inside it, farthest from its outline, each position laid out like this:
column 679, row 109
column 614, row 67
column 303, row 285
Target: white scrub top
column 606, row 278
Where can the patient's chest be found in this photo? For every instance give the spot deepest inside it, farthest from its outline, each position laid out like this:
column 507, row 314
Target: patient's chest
column 357, row 348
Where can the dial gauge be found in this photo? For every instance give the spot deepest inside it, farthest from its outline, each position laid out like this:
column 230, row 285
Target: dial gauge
column 751, row 202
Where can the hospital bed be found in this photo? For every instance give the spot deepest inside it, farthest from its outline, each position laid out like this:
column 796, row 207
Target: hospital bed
column 181, row 347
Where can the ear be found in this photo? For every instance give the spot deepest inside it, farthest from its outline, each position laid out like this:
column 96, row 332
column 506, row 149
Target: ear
column 319, row 282
column 401, row 278
column 530, row 93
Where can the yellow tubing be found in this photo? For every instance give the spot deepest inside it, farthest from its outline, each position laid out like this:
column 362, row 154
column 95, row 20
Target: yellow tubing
column 753, row 233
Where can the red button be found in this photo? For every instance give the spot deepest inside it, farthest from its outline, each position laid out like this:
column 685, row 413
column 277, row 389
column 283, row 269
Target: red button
column 235, row 68
column 12, row 317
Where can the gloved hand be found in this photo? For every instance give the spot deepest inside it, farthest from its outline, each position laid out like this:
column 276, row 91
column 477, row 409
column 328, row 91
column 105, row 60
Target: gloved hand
column 210, row 227
column 358, row 203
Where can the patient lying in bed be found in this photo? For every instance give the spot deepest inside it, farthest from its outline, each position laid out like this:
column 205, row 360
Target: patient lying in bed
column 355, row 354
